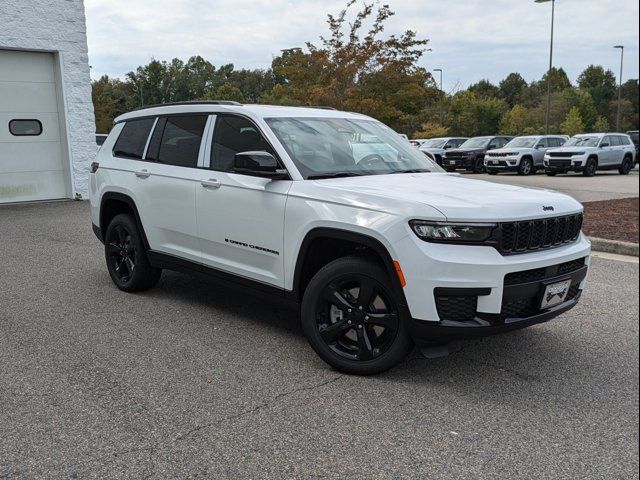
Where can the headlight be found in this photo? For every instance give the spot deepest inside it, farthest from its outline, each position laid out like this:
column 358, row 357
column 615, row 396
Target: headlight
column 452, row 232
column 575, row 154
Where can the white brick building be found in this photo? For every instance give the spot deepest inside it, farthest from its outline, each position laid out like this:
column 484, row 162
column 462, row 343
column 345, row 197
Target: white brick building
column 47, row 124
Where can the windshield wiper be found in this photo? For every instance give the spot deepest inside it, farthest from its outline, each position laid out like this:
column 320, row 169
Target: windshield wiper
column 413, row 170
column 319, row 176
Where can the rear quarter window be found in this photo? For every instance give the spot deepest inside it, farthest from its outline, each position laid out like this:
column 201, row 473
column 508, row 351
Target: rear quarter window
column 133, row 138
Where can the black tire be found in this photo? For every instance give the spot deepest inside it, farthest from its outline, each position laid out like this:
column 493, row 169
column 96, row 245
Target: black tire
column 627, row 166
column 590, row 168
column 348, row 332
column 478, row 166
column 526, row 167
column 126, row 257
column 551, row 173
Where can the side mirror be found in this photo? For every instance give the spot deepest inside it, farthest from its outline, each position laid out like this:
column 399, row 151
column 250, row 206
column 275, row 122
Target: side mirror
column 604, row 145
column 538, row 147
column 258, row 164
column 447, row 147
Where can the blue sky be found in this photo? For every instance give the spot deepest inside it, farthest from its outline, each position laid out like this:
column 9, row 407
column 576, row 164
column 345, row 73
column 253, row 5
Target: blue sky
column 469, row 39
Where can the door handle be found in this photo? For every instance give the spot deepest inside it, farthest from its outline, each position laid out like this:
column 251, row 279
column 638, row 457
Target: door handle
column 144, row 173
column 212, row 183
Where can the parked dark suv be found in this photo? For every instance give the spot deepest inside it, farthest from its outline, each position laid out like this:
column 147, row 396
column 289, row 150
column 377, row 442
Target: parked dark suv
column 635, row 138
column 470, row 155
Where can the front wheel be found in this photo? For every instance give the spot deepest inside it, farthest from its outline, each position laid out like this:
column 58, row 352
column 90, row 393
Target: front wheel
column 590, row 168
column 352, row 319
column 126, row 257
column 478, row 166
column 526, row 167
column 626, row 167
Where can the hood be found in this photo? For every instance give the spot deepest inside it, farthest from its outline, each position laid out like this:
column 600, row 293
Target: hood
column 514, row 149
column 456, row 197
column 433, row 150
column 574, row 148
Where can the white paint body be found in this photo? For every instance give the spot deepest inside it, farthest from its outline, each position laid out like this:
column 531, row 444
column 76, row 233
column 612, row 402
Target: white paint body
column 514, row 155
column 608, row 155
column 184, row 218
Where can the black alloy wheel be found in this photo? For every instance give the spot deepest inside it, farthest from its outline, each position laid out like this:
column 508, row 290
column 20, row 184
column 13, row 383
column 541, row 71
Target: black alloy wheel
column 478, row 166
column 591, row 168
column 121, row 253
column 126, row 258
column 351, row 318
column 626, row 167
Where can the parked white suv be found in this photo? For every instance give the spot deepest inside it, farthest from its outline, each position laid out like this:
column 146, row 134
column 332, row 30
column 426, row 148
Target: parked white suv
column 524, row 155
column 591, row 152
column 335, row 213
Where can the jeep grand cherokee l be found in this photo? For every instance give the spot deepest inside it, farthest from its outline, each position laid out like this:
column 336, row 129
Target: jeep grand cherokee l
column 470, row 155
column 375, row 245
column 435, row 148
column 591, row 152
column 524, row 155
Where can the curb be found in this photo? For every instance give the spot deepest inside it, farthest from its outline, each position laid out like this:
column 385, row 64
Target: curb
column 614, row 246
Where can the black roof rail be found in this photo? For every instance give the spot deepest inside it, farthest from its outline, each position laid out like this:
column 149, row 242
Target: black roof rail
column 321, row 107
column 190, row 102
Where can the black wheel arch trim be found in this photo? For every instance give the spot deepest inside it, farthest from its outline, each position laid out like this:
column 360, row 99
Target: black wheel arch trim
column 355, row 237
column 121, row 197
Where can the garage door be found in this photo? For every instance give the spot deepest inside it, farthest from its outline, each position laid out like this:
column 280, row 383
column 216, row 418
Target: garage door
column 31, row 160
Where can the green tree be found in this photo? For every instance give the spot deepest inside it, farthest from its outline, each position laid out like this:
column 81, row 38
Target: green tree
column 579, row 98
column 601, row 85
column 516, row 121
column 572, row 124
column 559, row 80
column 431, row 130
column 226, row 91
column 484, row 89
column 472, row 116
column 511, row 88
column 601, row 125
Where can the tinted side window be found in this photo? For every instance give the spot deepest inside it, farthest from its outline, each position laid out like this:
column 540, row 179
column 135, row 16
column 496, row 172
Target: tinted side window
column 560, row 142
column 606, row 140
column 623, row 140
column 545, row 143
column 181, row 138
column 459, row 142
column 232, row 135
column 133, row 138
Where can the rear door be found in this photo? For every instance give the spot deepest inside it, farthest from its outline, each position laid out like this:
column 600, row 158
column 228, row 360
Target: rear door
column 165, row 184
column 240, row 217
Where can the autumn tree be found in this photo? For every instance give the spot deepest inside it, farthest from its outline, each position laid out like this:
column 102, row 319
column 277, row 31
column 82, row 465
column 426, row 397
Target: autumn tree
column 355, row 69
column 431, row 130
column 572, row 124
column 601, row 85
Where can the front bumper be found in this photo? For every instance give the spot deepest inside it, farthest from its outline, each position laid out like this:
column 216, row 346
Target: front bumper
column 502, row 165
column 572, row 164
column 482, row 271
column 454, row 163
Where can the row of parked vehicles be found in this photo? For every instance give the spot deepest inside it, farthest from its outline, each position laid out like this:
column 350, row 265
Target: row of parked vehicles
column 586, row 153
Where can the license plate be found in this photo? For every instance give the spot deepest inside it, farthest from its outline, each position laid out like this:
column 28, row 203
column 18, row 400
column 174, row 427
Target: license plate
column 495, row 162
column 555, row 294
column 452, row 162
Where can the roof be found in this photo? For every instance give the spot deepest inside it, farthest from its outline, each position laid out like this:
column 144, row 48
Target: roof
column 252, row 110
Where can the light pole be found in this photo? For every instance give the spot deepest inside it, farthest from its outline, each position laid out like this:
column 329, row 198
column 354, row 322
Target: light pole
column 441, row 97
column 553, row 8
column 621, row 47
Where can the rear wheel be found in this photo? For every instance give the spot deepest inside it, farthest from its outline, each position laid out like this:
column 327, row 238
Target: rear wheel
column 126, row 257
column 590, row 168
column 526, row 167
column 626, row 167
column 352, row 319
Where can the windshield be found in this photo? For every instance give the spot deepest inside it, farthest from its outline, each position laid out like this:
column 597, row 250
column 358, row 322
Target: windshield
column 522, row 142
column 331, row 147
column 582, row 142
column 434, row 143
column 478, row 142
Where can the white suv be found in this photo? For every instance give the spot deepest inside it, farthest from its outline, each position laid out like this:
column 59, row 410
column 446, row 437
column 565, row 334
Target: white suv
column 524, row 155
column 335, row 213
column 591, row 152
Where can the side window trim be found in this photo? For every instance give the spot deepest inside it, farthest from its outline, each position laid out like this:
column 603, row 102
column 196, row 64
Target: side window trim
column 258, row 129
column 205, row 153
column 146, row 145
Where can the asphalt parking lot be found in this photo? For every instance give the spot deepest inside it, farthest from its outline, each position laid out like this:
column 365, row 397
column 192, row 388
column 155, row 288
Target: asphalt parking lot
column 194, row 380
column 606, row 185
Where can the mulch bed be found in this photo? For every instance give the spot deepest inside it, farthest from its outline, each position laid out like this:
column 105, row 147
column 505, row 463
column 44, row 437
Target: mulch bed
column 612, row 219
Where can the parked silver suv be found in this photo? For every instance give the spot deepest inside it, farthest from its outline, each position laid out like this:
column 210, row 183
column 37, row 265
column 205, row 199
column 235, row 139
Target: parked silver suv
column 524, row 155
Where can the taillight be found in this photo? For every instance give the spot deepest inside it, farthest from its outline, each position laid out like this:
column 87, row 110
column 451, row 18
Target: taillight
column 94, row 167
